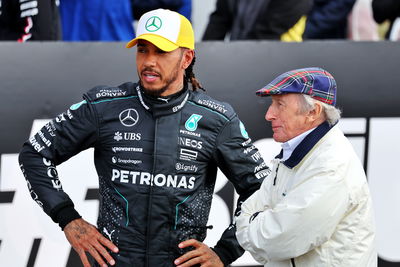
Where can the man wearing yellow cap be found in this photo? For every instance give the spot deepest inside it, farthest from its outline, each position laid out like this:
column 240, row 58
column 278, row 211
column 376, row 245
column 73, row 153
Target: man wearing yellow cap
column 157, row 148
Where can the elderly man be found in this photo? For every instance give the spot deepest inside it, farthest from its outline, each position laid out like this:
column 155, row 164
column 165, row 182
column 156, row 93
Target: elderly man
column 314, row 209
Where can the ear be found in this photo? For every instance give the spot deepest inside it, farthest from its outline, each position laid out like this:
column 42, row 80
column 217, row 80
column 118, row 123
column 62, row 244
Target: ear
column 187, row 58
column 316, row 113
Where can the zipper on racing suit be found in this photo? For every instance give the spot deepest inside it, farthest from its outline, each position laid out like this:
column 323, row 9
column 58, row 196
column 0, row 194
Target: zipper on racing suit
column 151, row 194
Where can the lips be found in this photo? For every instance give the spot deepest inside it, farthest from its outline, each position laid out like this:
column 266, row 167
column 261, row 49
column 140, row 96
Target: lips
column 275, row 127
column 150, row 76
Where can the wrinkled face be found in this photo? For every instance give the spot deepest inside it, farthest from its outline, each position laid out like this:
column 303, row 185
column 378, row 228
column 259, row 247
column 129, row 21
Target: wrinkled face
column 285, row 116
column 161, row 73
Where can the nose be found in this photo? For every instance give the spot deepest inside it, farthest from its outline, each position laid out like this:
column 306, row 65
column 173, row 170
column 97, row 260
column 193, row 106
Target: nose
column 150, row 60
column 270, row 115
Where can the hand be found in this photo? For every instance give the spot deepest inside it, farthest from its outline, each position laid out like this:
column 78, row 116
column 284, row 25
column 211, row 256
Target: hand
column 84, row 237
column 202, row 255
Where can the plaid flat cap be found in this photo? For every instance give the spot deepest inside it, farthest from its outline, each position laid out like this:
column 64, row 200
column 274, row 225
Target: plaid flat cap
column 315, row 82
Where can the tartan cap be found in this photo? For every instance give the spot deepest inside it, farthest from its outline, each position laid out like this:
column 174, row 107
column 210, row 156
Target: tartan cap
column 315, row 82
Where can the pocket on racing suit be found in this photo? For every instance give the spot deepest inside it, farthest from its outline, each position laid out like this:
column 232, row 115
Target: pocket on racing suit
column 190, row 221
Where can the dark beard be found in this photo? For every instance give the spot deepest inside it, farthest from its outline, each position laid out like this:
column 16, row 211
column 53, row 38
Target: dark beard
column 158, row 92
column 155, row 93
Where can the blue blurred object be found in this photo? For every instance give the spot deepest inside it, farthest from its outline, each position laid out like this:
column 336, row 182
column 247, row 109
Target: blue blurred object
column 96, row 20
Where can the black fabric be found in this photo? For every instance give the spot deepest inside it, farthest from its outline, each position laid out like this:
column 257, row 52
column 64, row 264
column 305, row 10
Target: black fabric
column 254, row 19
column 66, row 215
column 247, row 14
column 139, row 7
column 29, row 21
column 328, row 19
column 386, row 10
column 157, row 164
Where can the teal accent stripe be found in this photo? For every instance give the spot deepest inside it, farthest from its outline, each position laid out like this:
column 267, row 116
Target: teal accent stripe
column 176, row 211
column 112, row 99
column 127, row 205
column 195, row 104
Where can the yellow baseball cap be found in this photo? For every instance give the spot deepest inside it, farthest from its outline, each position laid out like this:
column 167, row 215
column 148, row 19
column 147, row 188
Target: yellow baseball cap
column 164, row 28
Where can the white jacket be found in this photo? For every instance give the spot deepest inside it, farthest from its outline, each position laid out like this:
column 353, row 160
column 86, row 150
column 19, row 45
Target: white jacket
column 314, row 209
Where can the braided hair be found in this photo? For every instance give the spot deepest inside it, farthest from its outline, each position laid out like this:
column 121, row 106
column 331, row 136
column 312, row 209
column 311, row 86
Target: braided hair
column 189, row 77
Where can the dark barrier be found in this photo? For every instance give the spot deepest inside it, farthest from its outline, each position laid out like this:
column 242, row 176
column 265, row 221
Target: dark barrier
column 40, row 80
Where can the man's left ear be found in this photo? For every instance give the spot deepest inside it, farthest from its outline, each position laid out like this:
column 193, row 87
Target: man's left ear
column 316, row 112
column 187, row 58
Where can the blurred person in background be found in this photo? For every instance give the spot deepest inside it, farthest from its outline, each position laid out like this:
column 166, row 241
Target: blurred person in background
column 29, row 20
column 257, row 20
column 328, row 19
column 388, row 10
column 96, row 20
column 183, row 7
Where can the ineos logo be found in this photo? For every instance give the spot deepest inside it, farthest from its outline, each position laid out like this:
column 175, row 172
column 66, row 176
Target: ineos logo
column 129, row 117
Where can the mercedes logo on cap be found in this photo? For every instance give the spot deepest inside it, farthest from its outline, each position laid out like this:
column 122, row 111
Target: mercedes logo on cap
column 129, row 117
column 153, row 24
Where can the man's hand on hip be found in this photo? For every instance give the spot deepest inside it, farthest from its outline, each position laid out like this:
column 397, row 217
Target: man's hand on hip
column 202, row 255
column 84, row 237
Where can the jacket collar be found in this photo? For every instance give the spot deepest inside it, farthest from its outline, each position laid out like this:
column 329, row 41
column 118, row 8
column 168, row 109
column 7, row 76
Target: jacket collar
column 306, row 145
column 160, row 107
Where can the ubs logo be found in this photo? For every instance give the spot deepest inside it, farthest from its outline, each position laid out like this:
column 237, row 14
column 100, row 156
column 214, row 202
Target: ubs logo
column 127, row 136
column 129, row 117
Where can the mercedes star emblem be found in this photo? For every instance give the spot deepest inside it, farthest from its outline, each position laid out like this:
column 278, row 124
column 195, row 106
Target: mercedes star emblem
column 129, row 117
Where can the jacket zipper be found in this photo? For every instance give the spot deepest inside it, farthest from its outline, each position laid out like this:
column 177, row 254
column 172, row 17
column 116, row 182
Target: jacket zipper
column 151, row 194
column 276, row 174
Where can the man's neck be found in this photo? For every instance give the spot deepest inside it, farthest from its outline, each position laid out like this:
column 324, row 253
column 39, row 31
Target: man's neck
column 167, row 97
column 171, row 93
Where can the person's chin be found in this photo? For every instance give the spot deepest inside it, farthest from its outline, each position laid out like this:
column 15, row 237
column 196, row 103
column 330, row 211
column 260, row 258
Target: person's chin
column 150, row 87
column 153, row 91
column 277, row 138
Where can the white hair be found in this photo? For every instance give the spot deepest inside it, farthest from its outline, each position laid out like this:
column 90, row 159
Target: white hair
column 331, row 113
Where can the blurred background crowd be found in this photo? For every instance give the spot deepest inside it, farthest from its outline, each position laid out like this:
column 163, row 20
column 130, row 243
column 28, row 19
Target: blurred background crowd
column 229, row 20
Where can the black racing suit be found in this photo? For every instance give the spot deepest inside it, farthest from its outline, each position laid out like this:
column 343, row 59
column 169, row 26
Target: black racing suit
column 157, row 164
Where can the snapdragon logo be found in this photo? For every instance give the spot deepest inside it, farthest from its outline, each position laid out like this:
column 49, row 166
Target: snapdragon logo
column 145, row 178
column 125, row 161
